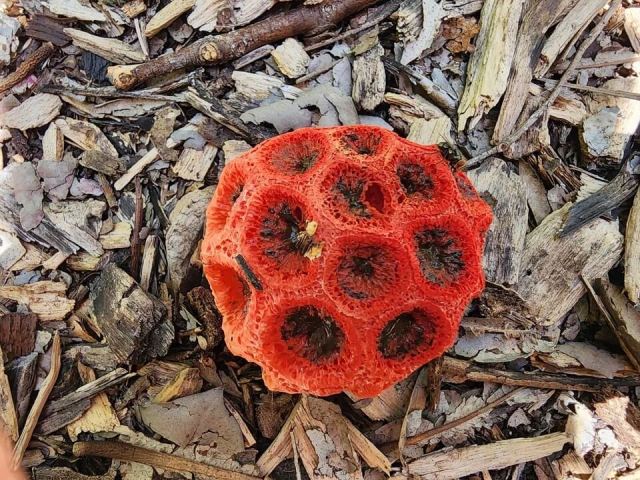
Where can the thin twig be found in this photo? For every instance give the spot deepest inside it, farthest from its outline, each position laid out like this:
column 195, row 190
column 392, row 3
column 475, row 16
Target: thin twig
column 27, row 66
column 527, row 124
column 38, row 405
column 131, row 453
column 136, row 245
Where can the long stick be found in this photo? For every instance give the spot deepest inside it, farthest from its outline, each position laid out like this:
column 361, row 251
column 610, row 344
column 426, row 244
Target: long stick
column 27, row 66
column 166, row 461
column 221, row 48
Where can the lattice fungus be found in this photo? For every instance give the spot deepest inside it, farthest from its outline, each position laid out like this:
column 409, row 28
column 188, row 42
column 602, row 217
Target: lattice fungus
column 342, row 258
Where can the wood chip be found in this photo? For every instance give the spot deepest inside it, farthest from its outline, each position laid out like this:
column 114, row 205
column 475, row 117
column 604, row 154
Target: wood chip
column 167, row 16
column 632, row 252
column 86, row 136
column 119, row 237
column 369, row 78
column 115, row 51
column 134, row 8
column 505, row 240
column 53, row 143
column 8, row 418
column 34, row 112
column 194, row 164
column 11, row 250
column 291, row 58
column 17, row 334
column 46, row 299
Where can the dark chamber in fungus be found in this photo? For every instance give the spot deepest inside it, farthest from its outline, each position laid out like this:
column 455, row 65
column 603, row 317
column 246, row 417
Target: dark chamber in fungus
column 342, row 258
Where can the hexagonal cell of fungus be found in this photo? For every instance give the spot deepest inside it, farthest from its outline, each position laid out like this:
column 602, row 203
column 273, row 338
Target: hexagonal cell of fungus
column 342, row 258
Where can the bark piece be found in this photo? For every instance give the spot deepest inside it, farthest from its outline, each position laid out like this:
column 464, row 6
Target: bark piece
column 187, row 221
column 47, row 29
column 86, row 136
column 134, row 323
column 504, row 243
column 11, row 250
column 34, row 112
column 194, row 164
column 163, row 123
column 571, row 25
column 116, row 51
column 186, row 382
column 46, row 299
column 74, row 220
column 291, row 58
column 202, row 301
column 99, row 161
column 119, row 237
column 62, row 473
column 234, row 44
column 494, row 456
column 22, row 377
column 75, row 9
column 551, row 266
column 17, row 334
column 167, row 15
column 490, row 63
column 369, row 78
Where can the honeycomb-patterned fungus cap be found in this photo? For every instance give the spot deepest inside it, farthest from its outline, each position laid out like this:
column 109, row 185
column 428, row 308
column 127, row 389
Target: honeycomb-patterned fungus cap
column 342, row 259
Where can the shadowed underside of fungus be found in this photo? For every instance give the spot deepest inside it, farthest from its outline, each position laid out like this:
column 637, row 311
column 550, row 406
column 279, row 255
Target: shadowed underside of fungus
column 342, row 258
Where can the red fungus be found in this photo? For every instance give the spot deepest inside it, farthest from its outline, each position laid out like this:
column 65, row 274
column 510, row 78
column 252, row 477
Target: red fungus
column 342, row 258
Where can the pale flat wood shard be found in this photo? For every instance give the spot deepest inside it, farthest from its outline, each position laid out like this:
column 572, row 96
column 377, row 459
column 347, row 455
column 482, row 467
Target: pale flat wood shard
column 536, row 193
column 632, row 252
column 34, row 112
column 210, row 15
column 551, row 266
column 291, row 58
column 85, row 135
column 9, row 26
column 53, row 143
column 255, row 86
column 75, row 9
column 369, row 79
column 119, row 237
column 506, row 191
column 494, row 456
column 490, row 63
column 11, row 250
column 430, row 132
column 194, row 164
column 571, row 25
column 116, row 51
column 167, row 16
column 134, row 323
column 187, row 221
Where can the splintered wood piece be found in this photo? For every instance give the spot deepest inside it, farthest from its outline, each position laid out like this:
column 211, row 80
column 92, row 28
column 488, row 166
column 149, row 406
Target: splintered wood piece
column 505, row 239
column 22, row 377
column 133, row 322
column 390, row 404
column 536, row 20
column 39, row 403
column 138, row 167
column 194, row 164
column 430, row 132
column 369, row 78
column 186, row 382
column 202, row 301
column 46, row 299
column 86, row 135
column 291, row 58
column 149, row 257
column 417, row 403
column 419, row 23
column 490, row 63
column 234, row 44
column 130, row 453
column 461, row 462
column 567, row 108
column 551, row 266
column 116, row 51
column 100, row 417
column 632, row 27
column 34, row 112
column 17, row 334
column 167, row 15
column 134, row 8
column 632, row 252
column 622, row 317
column 187, row 221
column 119, row 237
column 570, row 26
column 8, row 417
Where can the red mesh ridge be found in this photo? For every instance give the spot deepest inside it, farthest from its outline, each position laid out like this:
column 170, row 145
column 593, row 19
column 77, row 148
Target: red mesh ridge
column 342, row 258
